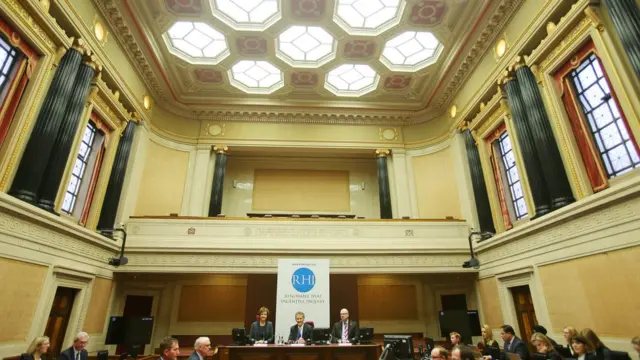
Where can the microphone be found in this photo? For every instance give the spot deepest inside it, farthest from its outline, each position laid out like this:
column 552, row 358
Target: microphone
column 420, row 350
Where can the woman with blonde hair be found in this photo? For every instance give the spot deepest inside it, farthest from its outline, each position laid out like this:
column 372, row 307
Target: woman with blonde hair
column 544, row 346
column 487, row 340
column 568, row 333
column 598, row 347
column 38, row 348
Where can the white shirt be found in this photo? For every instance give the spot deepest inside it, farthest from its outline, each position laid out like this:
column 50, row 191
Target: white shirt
column 199, row 356
column 75, row 354
column 582, row 357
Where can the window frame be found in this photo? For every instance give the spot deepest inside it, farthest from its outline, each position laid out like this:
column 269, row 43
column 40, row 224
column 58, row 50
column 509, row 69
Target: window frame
column 84, row 162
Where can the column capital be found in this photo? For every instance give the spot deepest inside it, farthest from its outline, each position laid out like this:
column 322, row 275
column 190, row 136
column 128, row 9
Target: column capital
column 220, row 149
column 507, row 75
column 519, row 62
column 463, row 125
column 382, row 152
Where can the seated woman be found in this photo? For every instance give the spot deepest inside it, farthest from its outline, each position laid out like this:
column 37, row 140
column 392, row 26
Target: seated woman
column 568, row 333
column 545, row 347
column 581, row 348
column 601, row 351
column 262, row 330
column 487, row 340
column 37, row 350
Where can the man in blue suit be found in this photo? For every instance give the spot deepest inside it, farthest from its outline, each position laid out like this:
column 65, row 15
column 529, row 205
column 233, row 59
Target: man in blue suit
column 300, row 332
column 201, row 348
column 512, row 344
column 77, row 350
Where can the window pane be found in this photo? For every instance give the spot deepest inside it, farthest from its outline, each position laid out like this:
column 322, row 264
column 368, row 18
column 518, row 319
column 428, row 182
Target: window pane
column 608, row 128
column 512, row 175
column 78, row 172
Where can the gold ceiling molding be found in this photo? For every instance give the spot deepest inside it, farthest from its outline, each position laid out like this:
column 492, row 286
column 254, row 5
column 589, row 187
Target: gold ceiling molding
column 500, row 15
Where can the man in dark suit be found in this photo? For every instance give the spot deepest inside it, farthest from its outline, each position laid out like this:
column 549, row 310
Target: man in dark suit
column 512, row 343
column 345, row 330
column 201, row 348
column 169, row 349
column 300, row 332
column 77, row 350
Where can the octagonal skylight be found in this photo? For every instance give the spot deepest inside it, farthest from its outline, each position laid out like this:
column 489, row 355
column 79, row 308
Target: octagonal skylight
column 256, row 77
column 352, row 80
column 369, row 17
column 306, row 46
column 247, row 14
column 196, row 42
column 411, row 51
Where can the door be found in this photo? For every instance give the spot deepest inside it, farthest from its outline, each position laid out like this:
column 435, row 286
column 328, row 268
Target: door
column 525, row 313
column 136, row 305
column 59, row 318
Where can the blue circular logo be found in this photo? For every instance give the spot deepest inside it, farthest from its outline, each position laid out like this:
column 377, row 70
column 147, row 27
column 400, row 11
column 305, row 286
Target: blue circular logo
column 303, row 280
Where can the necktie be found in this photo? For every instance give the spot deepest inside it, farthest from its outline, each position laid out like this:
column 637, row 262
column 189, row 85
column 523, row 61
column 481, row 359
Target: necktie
column 299, row 333
column 345, row 332
column 78, row 355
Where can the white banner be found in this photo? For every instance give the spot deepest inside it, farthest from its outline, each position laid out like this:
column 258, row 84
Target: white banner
column 303, row 285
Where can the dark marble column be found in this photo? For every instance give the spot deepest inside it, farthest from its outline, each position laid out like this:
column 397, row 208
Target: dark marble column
column 34, row 160
column 215, row 204
column 116, row 179
column 625, row 16
column 545, row 143
column 479, row 186
column 59, row 154
column 527, row 146
column 384, row 191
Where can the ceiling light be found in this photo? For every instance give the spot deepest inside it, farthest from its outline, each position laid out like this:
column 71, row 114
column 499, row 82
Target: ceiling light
column 256, row 77
column 352, row 80
column 196, row 42
column 369, row 17
column 501, row 48
column 411, row 51
column 247, row 14
column 306, row 46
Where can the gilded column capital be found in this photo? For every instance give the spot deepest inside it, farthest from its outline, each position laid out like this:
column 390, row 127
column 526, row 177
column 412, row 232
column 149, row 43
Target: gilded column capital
column 45, row 5
column 591, row 11
column 220, row 149
column 506, row 76
column 382, row 153
column 519, row 62
column 463, row 125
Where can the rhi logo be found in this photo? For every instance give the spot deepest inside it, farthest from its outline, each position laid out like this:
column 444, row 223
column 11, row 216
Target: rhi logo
column 303, row 280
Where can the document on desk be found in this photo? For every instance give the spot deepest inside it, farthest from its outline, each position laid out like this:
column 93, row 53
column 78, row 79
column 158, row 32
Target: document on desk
column 260, row 345
column 344, row 344
column 296, row 344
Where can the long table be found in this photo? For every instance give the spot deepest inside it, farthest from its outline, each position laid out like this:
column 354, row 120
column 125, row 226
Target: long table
column 310, row 352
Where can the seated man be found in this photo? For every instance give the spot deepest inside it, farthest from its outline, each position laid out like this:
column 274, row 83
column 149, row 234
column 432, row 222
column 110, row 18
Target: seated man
column 300, row 333
column 345, row 330
column 512, row 344
column 439, row 353
column 455, row 339
column 77, row 351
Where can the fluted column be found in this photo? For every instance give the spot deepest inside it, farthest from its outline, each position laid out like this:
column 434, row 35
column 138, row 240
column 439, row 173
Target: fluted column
column 384, row 191
column 479, row 186
column 215, row 204
column 34, row 160
column 545, row 142
column 527, row 145
column 61, row 148
column 116, row 179
column 625, row 16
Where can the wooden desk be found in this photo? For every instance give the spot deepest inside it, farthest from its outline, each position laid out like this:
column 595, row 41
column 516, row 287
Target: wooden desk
column 309, row 352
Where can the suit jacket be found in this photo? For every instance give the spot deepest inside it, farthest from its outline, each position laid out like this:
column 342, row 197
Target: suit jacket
column 268, row 332
column 30, row 357
column 354, row 331
column 68, row 354
column 306, row 332
column 194, row 356
column 517, row 346
column 486, row 347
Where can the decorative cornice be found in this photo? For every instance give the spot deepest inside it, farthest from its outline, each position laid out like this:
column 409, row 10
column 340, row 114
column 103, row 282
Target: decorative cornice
column 500, row 17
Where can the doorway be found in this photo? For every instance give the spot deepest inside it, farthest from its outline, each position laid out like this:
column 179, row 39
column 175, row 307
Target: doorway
column 59, row 318
column 136, row 305
column 525, row 313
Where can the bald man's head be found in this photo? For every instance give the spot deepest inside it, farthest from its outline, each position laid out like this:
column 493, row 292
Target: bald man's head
column 344, row 315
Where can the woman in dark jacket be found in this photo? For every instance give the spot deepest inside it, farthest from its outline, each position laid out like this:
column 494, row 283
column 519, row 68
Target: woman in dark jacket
column 545, row 347
column 487, row 341
column 37, row 350
column 262, row 330
column 601, row 351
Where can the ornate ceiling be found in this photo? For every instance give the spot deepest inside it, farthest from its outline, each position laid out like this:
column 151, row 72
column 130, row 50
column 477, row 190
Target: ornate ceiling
column 353, row 61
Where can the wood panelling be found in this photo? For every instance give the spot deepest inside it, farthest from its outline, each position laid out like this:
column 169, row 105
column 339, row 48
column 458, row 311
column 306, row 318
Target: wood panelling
column 598, row 291
column 343, row 290
column 301, row 190
column 99, row 305
column 488, row 293
column 214, row 303
column 387, row 302
column 21, row 287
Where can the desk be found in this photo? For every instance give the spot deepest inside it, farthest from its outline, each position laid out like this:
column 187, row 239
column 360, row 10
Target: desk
column 310, row 352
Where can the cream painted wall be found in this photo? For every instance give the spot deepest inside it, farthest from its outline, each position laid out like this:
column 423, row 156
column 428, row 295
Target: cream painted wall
column 163, row 180
column 436, row 185
column 237, row 202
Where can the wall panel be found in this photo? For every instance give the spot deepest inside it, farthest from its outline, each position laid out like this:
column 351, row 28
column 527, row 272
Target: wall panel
column 387, row 302
column 212, row 303
column 436, row 185
column 488, row 293
column 99, row 305
column 21, row 288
